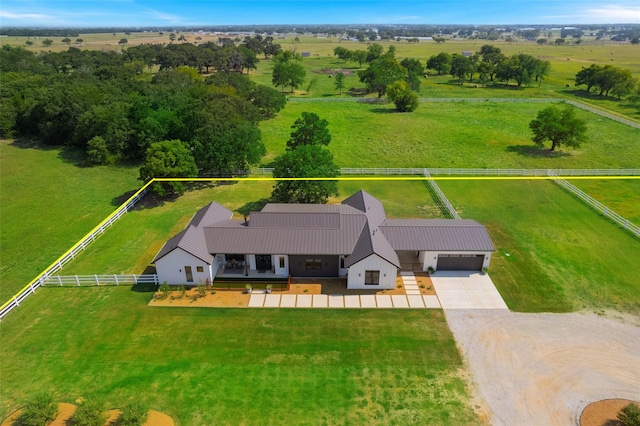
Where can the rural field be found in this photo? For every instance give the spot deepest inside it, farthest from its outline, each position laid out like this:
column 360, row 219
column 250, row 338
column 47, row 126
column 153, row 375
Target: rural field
column 248, row 366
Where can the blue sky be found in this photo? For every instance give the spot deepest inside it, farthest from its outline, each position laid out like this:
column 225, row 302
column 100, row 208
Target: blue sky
column 212, row 12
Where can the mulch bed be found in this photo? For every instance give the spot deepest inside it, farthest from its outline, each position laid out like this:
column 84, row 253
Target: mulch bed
column 603, row 413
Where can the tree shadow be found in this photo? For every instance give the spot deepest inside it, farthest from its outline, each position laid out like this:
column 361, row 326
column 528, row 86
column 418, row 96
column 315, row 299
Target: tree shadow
column 535, row 152
column 383, row 110
column 357, row 92
column 253, row 206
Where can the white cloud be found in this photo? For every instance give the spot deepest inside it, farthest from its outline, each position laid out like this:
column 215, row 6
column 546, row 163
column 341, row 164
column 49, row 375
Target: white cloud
column 615, row 13
column 170, row 18
column 11, row 15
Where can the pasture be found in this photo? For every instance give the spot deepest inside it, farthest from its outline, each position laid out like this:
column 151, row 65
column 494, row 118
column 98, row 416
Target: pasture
column 452, row 134
column 243, row 366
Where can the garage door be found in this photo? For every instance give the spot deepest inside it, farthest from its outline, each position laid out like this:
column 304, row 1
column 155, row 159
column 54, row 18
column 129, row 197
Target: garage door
column 460, row 262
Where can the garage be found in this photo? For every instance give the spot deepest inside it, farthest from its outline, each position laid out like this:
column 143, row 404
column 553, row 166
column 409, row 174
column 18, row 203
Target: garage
column 460, row 262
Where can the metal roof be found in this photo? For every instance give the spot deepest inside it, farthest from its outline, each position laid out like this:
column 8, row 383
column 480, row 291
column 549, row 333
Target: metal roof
column 222, row 238
column 295, row 220
column 309, row 208
column 191, row 240
column 437, row 235
column 372, row 242
column 369, row 205
column 210, row 214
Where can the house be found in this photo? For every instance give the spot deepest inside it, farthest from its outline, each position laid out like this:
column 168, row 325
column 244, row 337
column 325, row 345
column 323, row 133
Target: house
column 352, row 240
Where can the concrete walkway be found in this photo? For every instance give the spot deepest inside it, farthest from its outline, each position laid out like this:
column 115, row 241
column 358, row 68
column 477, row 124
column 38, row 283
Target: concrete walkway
column 339, row 301
column 466, row 290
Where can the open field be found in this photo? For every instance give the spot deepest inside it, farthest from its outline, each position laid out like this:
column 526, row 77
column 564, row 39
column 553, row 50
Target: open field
column 554, row 254
column 131, row 244
column 621, row 196
column 243, row 366
column 47, row 204
column 452, row 134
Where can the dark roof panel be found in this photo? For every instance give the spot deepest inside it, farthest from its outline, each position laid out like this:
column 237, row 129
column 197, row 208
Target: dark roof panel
column 295, row 220
column 437, row 235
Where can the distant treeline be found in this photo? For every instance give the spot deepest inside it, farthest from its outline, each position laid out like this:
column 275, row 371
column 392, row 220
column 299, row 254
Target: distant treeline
column 107, row 105
column 619, row 32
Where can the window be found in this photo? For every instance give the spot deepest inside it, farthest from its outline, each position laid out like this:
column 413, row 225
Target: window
column 372, row 277
column 281, row 261
column 199, row 269
column 188, row 273
column 313, row 264
column 341, row 262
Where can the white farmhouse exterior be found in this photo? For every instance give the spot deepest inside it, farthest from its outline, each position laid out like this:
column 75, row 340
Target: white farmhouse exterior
column 352, row 240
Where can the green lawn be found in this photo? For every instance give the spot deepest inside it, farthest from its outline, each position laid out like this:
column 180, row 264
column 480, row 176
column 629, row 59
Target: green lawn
column 619, row 195
column 47, row 204
column 452, row 134
column 131, row 244
column 224, row 366
column 553, row 252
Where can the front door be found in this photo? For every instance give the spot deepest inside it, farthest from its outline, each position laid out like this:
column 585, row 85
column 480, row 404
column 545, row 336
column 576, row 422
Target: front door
column 263, row 262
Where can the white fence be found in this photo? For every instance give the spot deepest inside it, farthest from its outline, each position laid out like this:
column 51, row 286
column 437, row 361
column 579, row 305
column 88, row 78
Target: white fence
column 439, row 194
column 96, row 280
column 606, row 211
column 420, row 171
column 71, row 253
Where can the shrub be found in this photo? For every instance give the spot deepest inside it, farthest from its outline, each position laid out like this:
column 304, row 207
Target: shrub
column 89, row 413
column 630, row 415
column 133, row 414
column 164, row 291
column 39, row 410
column 202, row 290
column 400, row 93
column 182, row 291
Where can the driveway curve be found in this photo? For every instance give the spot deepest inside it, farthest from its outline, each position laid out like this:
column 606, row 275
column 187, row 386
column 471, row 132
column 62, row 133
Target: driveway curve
column 543, row 369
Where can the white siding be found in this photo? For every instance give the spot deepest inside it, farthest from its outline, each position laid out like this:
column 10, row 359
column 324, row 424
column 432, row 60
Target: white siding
column 374, row 262
column 275, row 261
column 170, row 268
column 251, row 258
column 430, row 258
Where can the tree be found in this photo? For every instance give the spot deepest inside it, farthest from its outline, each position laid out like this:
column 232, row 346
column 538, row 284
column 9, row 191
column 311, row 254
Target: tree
column 306, row 161
column 522, row 68
column 47, row 42
column 342, row 53
column 461, row 66
column 587, row 76
column 629, row 415
column 415, row 71
column 338, row 82
column 561, row 127
column 359, row 56
column 401, row 94
column 66, row 40
column 310, row 129
column 374, row 51
column 288, row 73
column 123, row 41
column 168, row 159
column 268, row 100
column 440, row 62
column 381, row 73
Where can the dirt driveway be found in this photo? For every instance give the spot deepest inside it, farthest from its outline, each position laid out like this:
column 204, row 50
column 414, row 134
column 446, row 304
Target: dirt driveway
column 543, row 369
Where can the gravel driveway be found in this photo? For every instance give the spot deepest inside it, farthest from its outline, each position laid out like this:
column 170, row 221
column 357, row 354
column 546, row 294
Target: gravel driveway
column 543, row 369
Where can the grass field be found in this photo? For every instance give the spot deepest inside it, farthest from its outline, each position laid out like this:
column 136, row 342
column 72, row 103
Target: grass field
column 243, row 366
column 452, row 134
column 47, row 204
column 131, row 244
column 553, row 252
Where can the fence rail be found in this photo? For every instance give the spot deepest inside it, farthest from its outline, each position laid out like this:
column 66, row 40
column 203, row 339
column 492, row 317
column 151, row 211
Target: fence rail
column 419, row 171
column 440, row 198
column 70, row 254
column 606, row 211
column 97, row 280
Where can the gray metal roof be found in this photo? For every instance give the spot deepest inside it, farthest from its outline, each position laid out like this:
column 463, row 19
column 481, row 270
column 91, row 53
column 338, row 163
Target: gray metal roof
column 437, row 235
column 309, row 208
column 369, row 205
column 372, row 242
column 191, row 240
column 295, row 220
column 210, row 214
column 285, row 240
